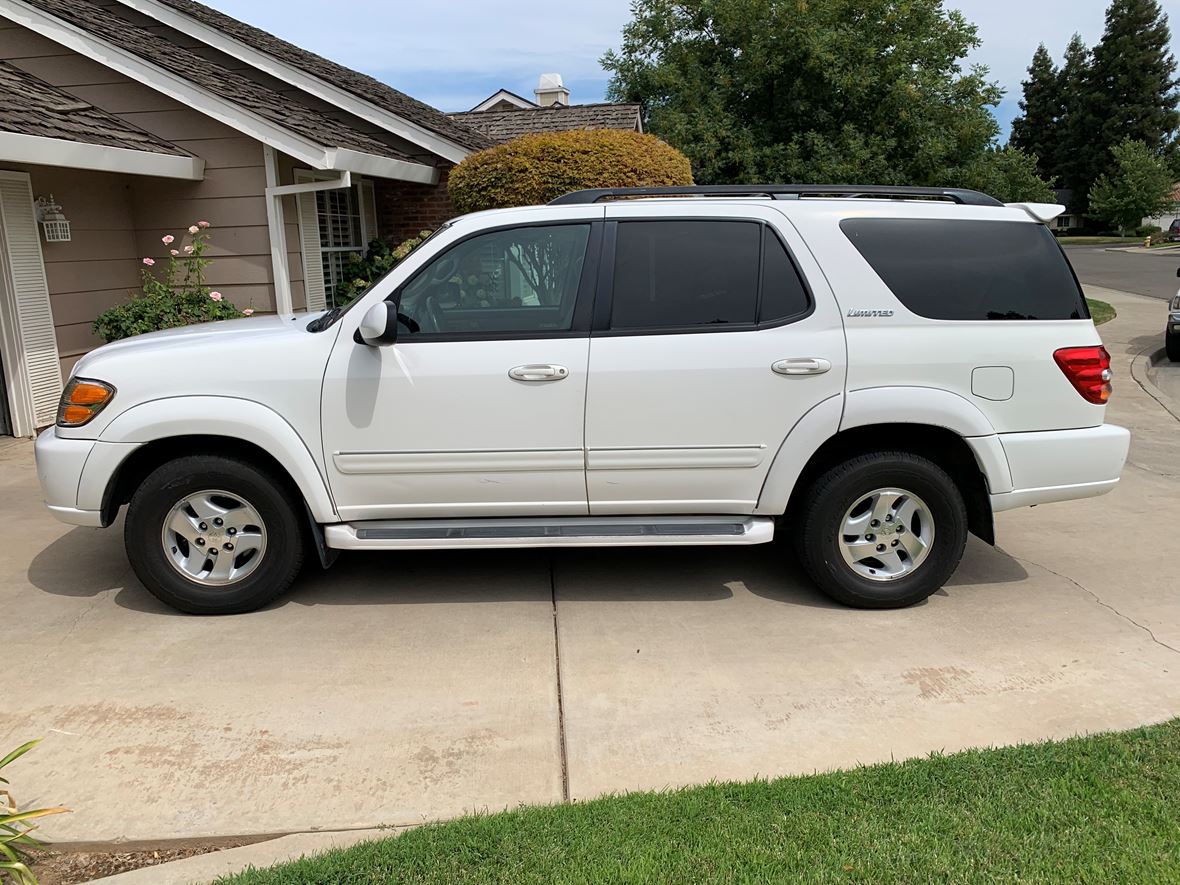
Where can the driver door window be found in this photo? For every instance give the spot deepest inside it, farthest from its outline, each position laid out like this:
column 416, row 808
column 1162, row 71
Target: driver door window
column 518, row 280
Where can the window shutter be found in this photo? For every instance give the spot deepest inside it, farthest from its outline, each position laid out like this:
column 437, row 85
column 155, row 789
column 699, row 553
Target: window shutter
column 309, row 238
column 30, row 292
column 368, row 213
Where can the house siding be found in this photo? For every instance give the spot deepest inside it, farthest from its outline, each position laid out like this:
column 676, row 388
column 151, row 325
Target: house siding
column 116, row 220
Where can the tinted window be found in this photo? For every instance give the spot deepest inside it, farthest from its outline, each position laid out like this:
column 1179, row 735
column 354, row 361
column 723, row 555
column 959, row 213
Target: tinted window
column 970, row 270
column 783, row 293
column 518, row 280
column 674, row 274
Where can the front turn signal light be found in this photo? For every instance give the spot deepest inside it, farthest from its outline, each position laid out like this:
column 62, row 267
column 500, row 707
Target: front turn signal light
column 82, row 400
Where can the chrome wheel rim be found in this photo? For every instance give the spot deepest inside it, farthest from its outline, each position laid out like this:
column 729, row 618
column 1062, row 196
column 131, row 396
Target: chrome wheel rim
column 886, row 534
column 214, row 538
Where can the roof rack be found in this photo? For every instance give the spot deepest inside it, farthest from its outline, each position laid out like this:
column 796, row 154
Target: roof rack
column 783, row 192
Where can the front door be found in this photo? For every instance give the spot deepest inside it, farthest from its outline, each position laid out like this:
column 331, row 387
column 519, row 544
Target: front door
column 478, row 409
column 707, row 351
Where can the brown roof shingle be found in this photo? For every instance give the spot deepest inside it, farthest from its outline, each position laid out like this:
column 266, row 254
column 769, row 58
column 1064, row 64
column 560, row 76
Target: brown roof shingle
column 360, row 85
column 233, row 87
column 29, row 106
column 506, row 125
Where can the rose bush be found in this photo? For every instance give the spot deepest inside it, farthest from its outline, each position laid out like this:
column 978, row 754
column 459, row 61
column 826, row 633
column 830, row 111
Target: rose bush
column 176, row 296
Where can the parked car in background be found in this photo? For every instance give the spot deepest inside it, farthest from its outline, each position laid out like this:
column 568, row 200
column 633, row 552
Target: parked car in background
column 1173, row 232
column 1172, row 327
column 853, row 367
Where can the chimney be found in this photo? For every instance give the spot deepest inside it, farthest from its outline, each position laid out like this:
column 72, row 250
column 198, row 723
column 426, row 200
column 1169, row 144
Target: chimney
column 550, row 91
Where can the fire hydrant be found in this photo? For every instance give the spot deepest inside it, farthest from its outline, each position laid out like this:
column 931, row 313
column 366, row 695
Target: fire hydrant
column 1147, row 242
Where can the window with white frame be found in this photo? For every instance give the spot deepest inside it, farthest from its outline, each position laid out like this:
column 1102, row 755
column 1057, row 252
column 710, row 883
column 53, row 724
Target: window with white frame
column 342, row 234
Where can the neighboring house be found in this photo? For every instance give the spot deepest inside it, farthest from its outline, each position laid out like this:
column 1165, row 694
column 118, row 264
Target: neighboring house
column 504, row 115
column 140, row 117
column 1168, row 215
column 1067, row 222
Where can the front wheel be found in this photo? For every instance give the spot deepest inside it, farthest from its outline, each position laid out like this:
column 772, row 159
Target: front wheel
column 1172, row 346
column 208, row 534
column 884, row 530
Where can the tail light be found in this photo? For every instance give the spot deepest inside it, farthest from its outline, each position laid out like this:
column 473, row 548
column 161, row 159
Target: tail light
column 1088, row 370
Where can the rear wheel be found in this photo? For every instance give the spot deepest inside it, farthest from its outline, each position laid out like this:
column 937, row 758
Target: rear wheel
column 1172, row 345
column 213, row 535
column 883, row 530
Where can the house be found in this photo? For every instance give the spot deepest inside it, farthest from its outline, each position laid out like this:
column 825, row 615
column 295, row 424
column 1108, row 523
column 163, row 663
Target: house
column 122, row 121
column 1067, row 222
column 505, row 115
column 1169, row 214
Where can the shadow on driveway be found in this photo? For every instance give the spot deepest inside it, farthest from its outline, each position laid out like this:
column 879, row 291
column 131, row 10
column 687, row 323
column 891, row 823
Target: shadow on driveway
column 86, row 562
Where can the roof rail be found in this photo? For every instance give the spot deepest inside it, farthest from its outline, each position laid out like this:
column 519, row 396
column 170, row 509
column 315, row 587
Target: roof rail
column 784, row 192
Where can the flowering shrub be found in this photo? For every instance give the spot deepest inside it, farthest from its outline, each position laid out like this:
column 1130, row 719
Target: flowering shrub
column 362, row 271
column 175, row 296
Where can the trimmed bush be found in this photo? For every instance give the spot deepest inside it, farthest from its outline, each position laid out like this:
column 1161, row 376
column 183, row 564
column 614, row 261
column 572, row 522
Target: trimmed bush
column 537, row 168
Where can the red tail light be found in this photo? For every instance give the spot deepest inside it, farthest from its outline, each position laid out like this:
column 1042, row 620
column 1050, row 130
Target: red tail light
column 1088, row 370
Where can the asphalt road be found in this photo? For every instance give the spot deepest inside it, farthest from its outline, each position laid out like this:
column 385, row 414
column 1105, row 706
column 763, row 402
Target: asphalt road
column 1153, row 274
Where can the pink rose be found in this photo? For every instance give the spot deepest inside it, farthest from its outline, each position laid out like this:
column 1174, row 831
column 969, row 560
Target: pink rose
column 149, row 261
column 188, row 248
column 249, row 311
column 216, row 296
column 167, row 241
column 193, row 229
column 202, row 224
column 174, row 252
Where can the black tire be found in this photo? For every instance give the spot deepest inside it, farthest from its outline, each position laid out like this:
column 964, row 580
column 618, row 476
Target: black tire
column 152, row 504
column 829, row 499
column 1172, row 346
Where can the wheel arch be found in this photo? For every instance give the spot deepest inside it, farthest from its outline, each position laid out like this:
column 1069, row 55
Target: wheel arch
column 164, row 429
column 943, row 446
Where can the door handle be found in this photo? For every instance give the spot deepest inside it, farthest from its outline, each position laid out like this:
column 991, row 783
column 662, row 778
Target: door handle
column 542, row 372
column 801, row 366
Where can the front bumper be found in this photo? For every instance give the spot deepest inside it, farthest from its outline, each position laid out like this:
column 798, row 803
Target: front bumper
column 75, row 475
column 1061, row 465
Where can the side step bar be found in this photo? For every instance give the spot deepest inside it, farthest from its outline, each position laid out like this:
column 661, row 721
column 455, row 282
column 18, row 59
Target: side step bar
column 574, row 531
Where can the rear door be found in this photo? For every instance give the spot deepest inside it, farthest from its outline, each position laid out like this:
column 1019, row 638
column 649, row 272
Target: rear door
column 713, row 335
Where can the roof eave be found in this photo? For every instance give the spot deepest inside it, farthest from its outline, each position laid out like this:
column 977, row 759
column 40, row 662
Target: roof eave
column 44, row 151
column 312, row 85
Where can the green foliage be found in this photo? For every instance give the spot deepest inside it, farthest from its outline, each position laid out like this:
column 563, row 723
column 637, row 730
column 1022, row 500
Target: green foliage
column 536, row 168
column 1035, row 130
column 178, row 296
column 363, row 270
column 1093, row 809
column 1147, row 230
column 16, row 827
column 815, row 91
column 1008, row 174
column 1139, row 185
column 1129, row 91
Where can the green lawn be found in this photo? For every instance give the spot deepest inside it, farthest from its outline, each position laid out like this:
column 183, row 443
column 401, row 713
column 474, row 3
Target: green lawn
column 1100, row 241
column 1096, row 809
column 1100, row 311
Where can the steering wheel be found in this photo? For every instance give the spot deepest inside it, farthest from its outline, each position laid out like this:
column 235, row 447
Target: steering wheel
column 444, row 269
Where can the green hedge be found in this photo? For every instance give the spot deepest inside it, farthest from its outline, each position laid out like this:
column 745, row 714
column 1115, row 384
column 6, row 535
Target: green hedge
column 534, row 169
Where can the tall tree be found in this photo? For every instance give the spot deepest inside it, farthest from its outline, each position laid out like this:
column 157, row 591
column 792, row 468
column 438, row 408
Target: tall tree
column 1068, row 160
column 1129, row 91
column 826, row 90
column 1035, row 131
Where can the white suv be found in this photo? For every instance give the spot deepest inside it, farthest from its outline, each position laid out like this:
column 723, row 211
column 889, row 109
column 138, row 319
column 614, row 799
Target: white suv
column 873, row 371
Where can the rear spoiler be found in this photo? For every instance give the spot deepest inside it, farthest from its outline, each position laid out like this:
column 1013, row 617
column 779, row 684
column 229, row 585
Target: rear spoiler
column 1042, row 212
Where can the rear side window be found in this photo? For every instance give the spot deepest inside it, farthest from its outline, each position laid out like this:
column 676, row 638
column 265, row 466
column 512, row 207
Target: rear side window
column 970, row 270
column 783, row 292
column 673, row 274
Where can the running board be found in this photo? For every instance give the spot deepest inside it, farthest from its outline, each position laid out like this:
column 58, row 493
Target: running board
column 574, row 531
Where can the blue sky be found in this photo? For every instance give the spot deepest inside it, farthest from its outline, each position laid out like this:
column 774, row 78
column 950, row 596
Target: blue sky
column 453, row 55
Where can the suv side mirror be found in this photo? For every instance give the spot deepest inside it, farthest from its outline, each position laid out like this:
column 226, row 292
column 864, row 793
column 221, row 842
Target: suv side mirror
column 378, row 328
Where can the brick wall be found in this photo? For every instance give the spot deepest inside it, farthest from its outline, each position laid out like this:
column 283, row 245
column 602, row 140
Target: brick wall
column 405, row 208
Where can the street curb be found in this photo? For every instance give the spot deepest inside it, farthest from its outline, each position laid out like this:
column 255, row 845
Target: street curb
column 203, row 868
column 1147, row 359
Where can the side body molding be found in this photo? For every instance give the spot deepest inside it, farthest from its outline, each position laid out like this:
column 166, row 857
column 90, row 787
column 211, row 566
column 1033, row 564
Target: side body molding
column 220, row 416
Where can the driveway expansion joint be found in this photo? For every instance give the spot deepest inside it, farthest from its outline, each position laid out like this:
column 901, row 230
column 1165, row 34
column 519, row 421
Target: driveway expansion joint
column 1106, row 605
column 563, row 758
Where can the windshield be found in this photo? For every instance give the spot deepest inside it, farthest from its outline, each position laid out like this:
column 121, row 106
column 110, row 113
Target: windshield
column 329, row 319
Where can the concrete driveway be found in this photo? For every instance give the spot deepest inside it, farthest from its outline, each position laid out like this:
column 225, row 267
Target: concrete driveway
column 398, row 688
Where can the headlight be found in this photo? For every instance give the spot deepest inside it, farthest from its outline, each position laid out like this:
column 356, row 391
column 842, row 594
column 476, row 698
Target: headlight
column 82, row 399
